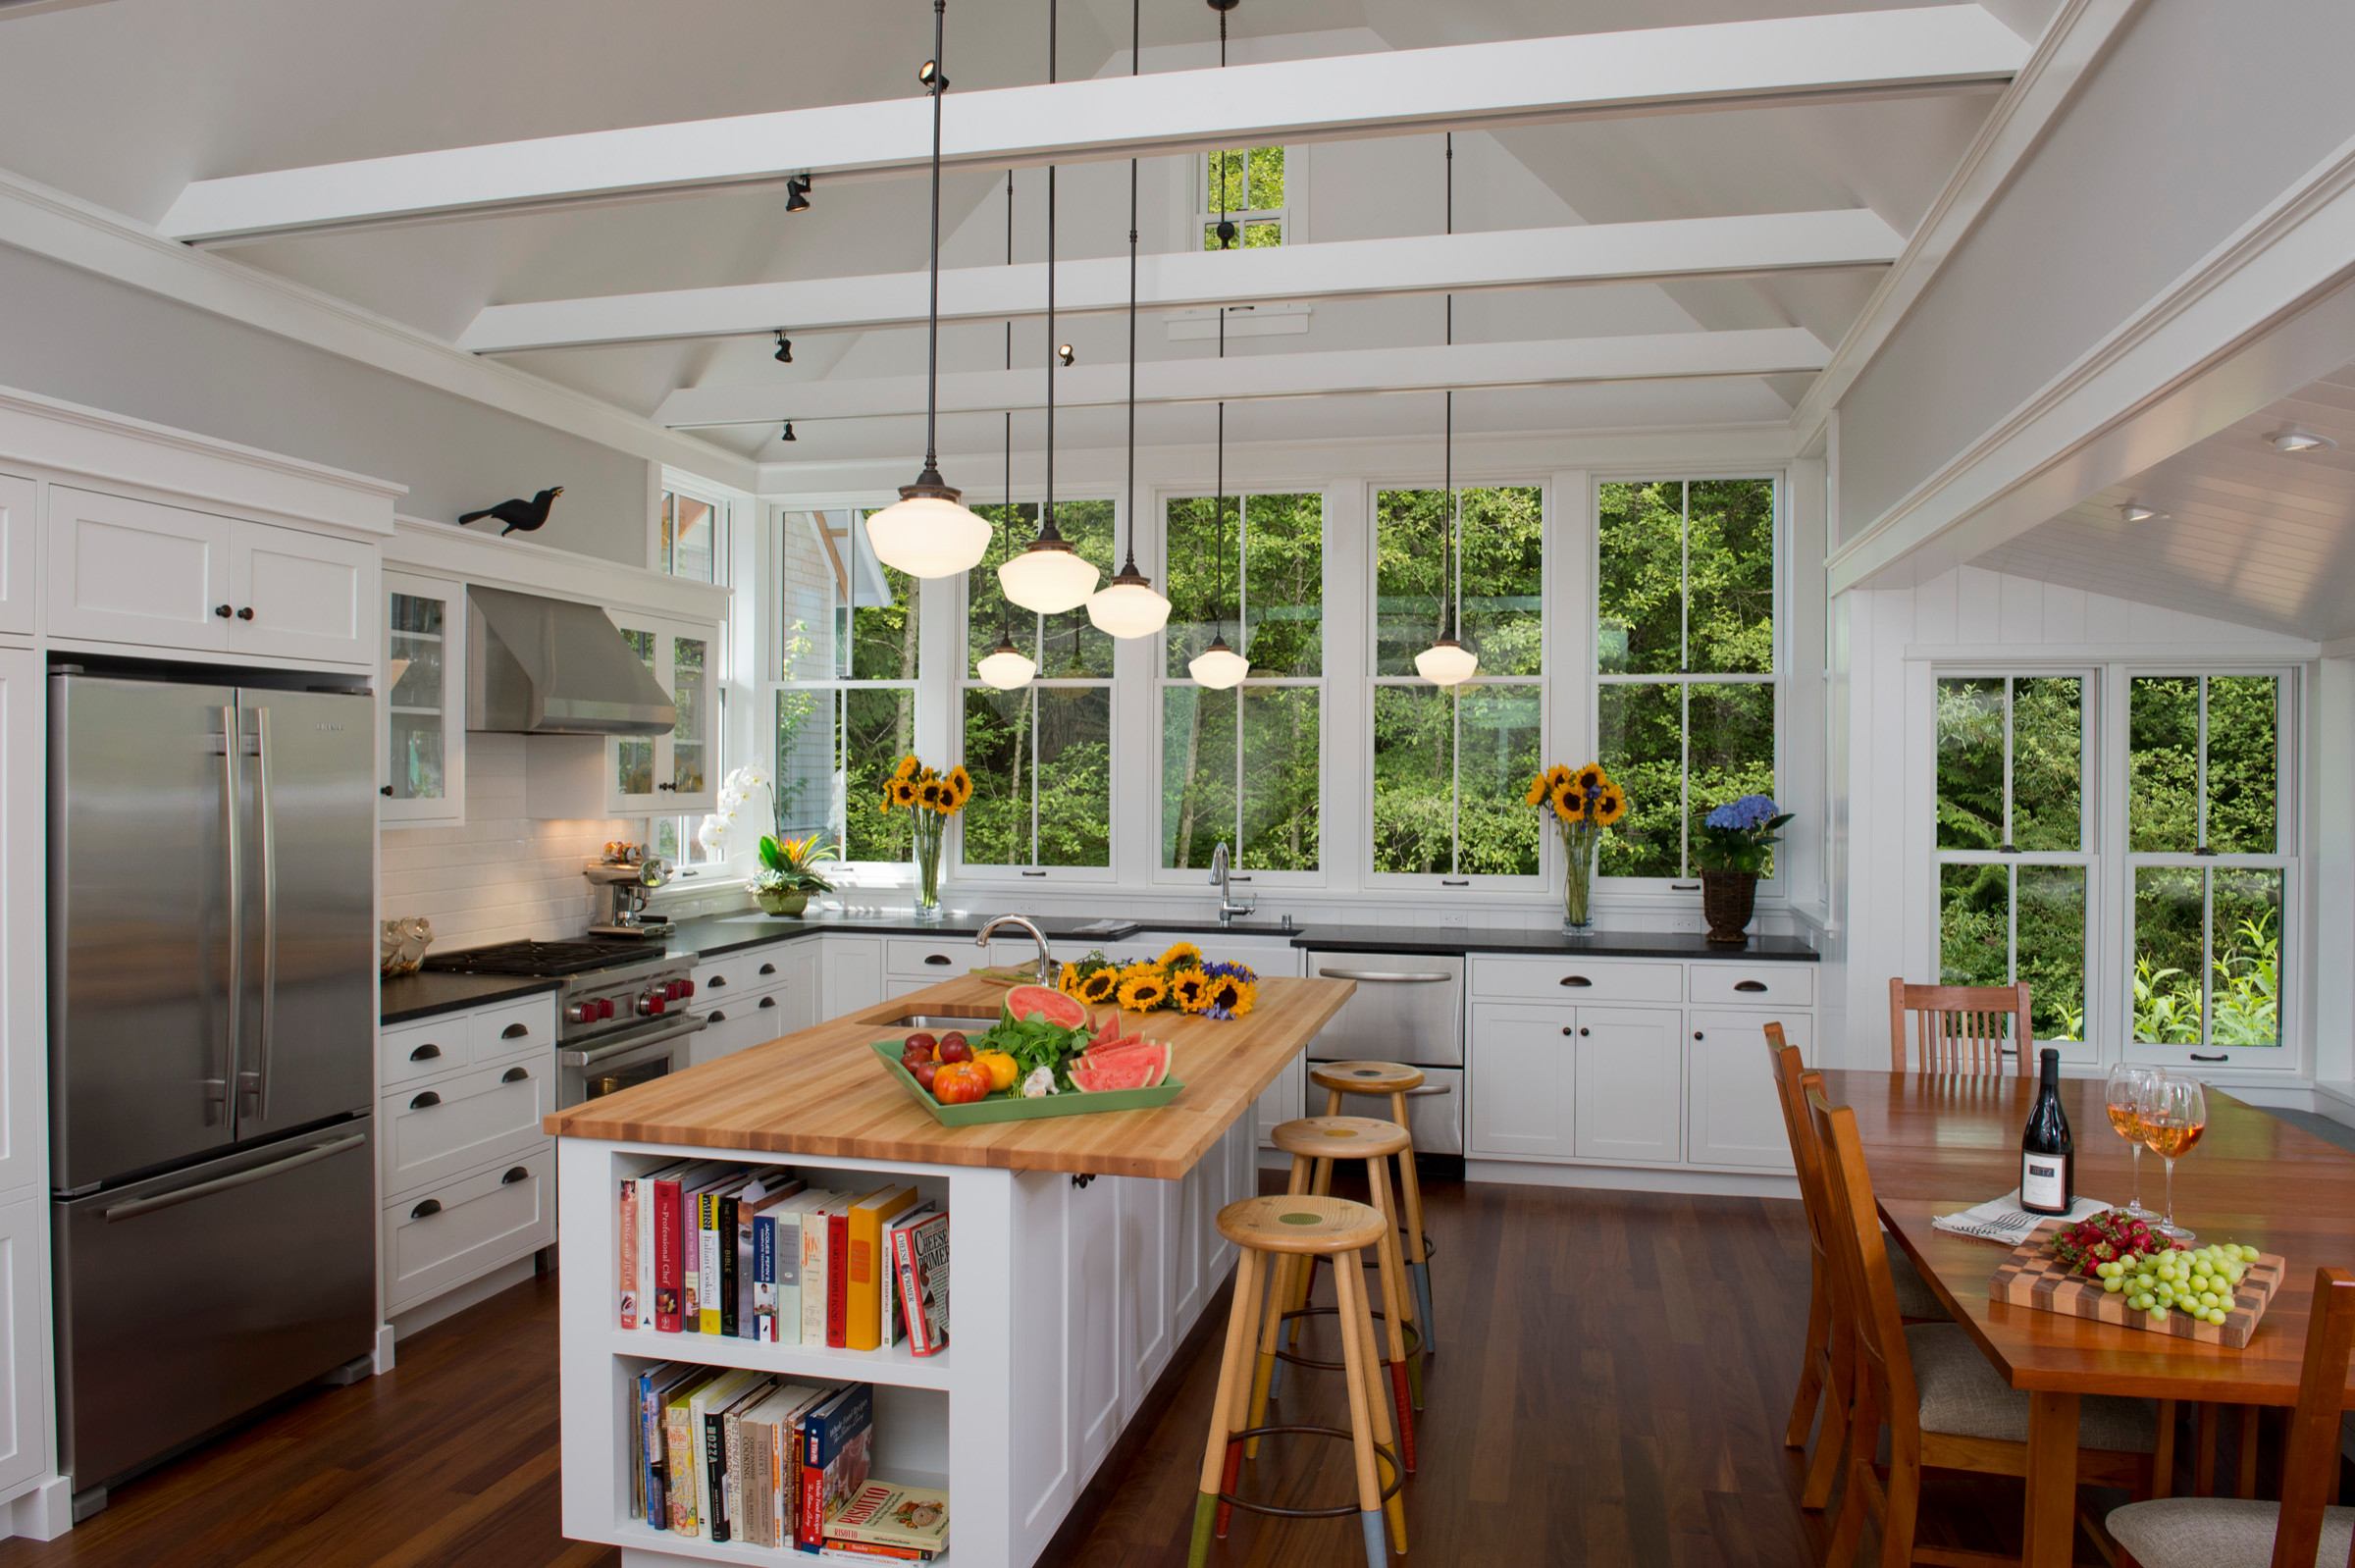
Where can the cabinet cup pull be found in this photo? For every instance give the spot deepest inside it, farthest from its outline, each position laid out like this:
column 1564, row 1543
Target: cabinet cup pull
column 1750, row 985
column 1576, row 980
column 769, row 1001
column 426, row 1210
column 425, row 1053
column 516, row 1075
column 246, row 614
column 514, row 1031
column 515, row 1174
column 717, row 1018
column 768, row 969
column 222, row 610
column 717, row 982
column 426, row 1101
column 936, row 958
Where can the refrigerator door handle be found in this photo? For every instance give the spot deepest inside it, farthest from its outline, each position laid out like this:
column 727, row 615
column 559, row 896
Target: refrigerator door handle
column 266, row 819
column 263, row 1173
column 217, row 1089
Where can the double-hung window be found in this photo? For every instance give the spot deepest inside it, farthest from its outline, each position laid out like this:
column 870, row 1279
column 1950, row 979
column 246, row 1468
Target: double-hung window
column 2208, row 859
column 843, row 631
column 1685, row 659
column 1242, row 767
column 1451, row 766
column 2016, row 841
column 1040, row 755
column 1246, row 185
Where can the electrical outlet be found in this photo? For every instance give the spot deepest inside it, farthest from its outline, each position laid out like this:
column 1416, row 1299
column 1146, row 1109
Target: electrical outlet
column 1685, row 922
column 1461, row 920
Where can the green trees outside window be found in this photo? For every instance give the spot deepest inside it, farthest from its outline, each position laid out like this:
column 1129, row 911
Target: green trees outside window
column 1247, row 184
column 1685, row 701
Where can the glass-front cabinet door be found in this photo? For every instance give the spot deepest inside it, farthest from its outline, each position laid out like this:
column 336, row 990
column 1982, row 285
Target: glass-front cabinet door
column 662, row 774
column 422, row 779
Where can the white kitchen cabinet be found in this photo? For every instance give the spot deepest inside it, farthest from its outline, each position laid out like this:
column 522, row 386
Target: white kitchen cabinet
column 854, row 974
column 1631, row 1085
column 802, row 963
column 1735, row 1116
column 423, row 774
column 23, row 950
column 666, row 775
column 24, row 1374
column 1284, row 1100
column 133, row 571
column 1093, row 1290
column 1523, row 1083
column 18, row 552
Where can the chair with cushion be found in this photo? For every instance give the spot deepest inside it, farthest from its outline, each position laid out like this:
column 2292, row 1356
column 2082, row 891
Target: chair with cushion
column 1825, row 1367
column 1943, row 1403
column 1960, row 1028
column 2302, row 1529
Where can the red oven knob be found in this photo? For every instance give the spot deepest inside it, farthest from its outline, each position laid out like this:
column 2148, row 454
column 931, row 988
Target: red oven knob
column 581, row 1013
column 686, row 988
column 671, row 991
column 605, row 1007
column 651, row 1004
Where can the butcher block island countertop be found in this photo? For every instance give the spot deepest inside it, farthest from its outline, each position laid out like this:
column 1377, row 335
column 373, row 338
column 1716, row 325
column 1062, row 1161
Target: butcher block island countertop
column 821, row 1094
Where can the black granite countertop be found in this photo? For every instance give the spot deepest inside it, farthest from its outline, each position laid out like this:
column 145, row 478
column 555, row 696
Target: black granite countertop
column 422, row 995
column 1549, row 944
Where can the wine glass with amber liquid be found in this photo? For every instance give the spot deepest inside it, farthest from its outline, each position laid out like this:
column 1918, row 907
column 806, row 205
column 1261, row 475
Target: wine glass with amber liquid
column 2173, row 1113
column 2122, row 1098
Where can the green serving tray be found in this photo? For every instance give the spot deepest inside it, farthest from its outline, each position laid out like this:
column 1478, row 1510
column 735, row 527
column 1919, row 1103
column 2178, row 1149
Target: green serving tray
column 995, row 1109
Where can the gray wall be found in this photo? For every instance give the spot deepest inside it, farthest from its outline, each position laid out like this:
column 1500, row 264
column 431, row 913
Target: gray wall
column 2201, row 114
column 88, row 339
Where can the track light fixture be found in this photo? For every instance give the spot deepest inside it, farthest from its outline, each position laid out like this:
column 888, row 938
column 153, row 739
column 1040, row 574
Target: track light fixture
column 927, row 76
column 797, row 193
column 2290, row 438
column 1065, row 354
column 784, row 354
column 2134, row 511
column 789, row 435
column 927, row 533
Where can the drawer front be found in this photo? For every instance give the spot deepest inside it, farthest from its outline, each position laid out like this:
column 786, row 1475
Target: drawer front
column 720, row 981
column 435, row 1133
column 1755, row 984
column 426, row 1049
column 1577, row 980
column 911, row 956
column 447, row 1234
column 517, row 1028
column 753, row 1018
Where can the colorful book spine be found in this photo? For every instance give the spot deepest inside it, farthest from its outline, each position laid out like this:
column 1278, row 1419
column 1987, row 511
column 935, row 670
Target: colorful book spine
column 813, row 1275
column 723, row 1246
column 765, row 1280
column 910, row 1294
column 706, row 1250
column 678, row 1445
column 838, row 1274
column 925, row 1282
column 838, row 1438
column 628, row 1239
column 670, row 1277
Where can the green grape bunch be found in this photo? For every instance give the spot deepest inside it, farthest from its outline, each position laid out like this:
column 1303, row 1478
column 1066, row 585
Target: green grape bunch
column 2199, row 1282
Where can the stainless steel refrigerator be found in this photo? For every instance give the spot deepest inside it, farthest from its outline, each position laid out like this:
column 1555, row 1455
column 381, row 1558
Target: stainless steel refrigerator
column 211, row 1025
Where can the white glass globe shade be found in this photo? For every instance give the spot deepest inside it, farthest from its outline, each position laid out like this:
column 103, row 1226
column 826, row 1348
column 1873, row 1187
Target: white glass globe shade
column 1446, row 664
column 1049, row 581
column 1128, row 609
column 1219, row 668
column 927, row 536
column 1006, row 669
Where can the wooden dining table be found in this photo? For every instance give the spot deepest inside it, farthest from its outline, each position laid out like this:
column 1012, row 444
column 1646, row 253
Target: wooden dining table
column 1937, row 1144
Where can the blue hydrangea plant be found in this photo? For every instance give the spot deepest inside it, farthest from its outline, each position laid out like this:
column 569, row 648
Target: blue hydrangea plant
column 1738, row 835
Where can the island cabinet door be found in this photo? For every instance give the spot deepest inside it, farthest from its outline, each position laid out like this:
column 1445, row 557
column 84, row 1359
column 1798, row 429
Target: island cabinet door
column 1631, row 1083
column 1092, row 1320
column 1524, row 1084
column 1148, row 1222
column 1735, row 1116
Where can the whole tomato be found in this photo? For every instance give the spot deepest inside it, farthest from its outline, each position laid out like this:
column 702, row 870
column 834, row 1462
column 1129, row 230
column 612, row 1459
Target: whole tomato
column 960, row 1084
column 955, row 1048
column 924, row 1073
column 1001, row 1067
column 920, row 1043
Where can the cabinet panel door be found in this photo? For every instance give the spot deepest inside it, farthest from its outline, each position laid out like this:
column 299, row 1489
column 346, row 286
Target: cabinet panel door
column 634, row 762
column 15, row 553
column 424, row 682
column 1282, row 1100
column 23, row 946
column 693, row 659
column 854, row 974
column 1524, row 1089
column 130, row 571
column 1631, row 1082
column 24, row 1363
column 301, row 596
column 1736, row 1116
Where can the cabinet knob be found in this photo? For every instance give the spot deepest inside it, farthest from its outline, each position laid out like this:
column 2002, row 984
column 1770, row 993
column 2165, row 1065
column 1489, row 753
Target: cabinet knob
column 246, row 614
column 221, row 610
column 1582, row 1031
column 1566, row 1029
column 666, row 785
column 386, row 790
column 1696, row 1034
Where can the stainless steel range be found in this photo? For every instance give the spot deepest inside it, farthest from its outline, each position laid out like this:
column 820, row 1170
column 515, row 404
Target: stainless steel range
column 619, row 1018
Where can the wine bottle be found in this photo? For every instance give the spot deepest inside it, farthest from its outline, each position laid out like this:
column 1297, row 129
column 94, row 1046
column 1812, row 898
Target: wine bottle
column 2047, row 1154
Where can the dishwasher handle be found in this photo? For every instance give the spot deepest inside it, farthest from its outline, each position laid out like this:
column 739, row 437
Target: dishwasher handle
column 1389, row 977
column 1430, row 1089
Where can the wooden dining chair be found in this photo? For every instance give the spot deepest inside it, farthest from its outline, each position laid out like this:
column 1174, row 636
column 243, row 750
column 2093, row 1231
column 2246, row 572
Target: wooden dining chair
column 2302, row 1529
column 1824, row 1368
column 1944, row 1404
column 1960, row 1028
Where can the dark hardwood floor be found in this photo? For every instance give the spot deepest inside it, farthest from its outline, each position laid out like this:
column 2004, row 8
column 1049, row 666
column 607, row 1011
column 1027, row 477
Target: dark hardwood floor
column 1610, row 1386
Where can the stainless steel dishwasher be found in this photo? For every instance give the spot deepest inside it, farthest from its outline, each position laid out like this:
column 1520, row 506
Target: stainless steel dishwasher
column 1408, row 1007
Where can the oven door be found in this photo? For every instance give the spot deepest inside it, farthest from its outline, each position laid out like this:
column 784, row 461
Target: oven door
column 618, row 1061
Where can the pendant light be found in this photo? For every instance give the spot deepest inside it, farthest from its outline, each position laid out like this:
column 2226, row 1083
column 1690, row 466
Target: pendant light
column 1050, row 576
column 1218, row 666
column 1128, row 606
column 1006, row 666
column 927, row 533
column 1448, row 662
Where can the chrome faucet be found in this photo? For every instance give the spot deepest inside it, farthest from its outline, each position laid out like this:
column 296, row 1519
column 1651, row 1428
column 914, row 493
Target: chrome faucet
column 1220, row 875
column 1048, row 968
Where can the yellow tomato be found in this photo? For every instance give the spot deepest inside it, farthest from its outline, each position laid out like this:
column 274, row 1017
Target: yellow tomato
column 1000, row 1067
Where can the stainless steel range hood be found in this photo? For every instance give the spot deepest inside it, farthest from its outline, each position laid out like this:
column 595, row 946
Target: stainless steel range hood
column 549, row 666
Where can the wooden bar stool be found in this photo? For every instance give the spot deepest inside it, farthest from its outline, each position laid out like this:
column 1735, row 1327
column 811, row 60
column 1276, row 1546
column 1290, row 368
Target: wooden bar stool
column 1397, row 1080
column 1285, row 1227
column 1322, row 1139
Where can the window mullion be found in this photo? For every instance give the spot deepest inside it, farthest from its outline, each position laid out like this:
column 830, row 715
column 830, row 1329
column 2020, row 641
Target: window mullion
column 2009, row 839
column 2200, row 774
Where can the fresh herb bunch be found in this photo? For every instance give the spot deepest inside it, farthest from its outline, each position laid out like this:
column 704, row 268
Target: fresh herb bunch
column 1737, row 836
column 1034, row 1043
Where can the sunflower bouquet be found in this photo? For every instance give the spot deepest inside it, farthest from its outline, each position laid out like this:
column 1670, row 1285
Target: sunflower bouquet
column 930, row 799
column 1582, row 802
column 1181, row 980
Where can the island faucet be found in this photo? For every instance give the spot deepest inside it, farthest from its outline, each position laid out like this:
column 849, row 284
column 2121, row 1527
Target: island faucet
column 1048, row 968
column 1220, row 876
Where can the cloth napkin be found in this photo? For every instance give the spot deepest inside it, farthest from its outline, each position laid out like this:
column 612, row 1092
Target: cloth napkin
column 2004, row 1220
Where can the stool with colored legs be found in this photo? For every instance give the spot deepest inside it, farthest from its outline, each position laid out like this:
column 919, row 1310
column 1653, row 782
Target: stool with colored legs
column 1396, row 1082
column 1313, row 1140
column 1278, row 1230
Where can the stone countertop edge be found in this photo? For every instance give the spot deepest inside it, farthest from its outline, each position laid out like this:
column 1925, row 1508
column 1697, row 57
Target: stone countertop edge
column 429, row 993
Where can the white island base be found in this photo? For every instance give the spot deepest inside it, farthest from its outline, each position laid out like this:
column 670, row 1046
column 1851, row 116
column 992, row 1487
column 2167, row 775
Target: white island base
column 1067, row 1297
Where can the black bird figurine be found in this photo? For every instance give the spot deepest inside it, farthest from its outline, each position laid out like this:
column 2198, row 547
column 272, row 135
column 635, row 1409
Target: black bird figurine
column 520, row 517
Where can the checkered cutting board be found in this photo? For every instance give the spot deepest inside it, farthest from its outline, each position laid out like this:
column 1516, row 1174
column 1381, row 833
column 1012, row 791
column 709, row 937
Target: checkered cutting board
column 2032, row 1277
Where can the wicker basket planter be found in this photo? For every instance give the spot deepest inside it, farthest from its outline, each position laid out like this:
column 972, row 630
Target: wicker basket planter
column 1727, row 901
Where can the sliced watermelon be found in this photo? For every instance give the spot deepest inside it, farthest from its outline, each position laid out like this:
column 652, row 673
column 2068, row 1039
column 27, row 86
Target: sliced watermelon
column 1041, row 1002
column 1109, row 1030
column 1137, row 1069
column 1150, row 1056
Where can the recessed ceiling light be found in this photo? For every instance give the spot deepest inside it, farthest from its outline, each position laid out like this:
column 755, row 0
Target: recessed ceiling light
column 2134, row 511
column 2293, row 439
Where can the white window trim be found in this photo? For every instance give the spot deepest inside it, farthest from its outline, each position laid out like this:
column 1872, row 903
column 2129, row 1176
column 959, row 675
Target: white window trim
column 1208, row 217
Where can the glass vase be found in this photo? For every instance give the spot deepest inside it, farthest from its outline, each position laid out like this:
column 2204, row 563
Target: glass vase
column 928, row 837
column 1578, row 888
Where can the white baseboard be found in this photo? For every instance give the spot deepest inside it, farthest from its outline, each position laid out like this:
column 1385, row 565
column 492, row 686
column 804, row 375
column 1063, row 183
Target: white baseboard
column 381, row 1355
column 1633, row 1178
column 451, row 1302
column 43, row 1513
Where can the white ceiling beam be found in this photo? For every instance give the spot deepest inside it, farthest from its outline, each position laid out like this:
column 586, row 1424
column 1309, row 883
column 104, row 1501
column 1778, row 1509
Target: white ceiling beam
column 1645, row 356
column 1650, row 70
column 1520, row 258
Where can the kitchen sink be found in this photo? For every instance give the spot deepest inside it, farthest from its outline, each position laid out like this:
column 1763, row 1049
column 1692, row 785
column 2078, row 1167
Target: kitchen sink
column 936, row 1021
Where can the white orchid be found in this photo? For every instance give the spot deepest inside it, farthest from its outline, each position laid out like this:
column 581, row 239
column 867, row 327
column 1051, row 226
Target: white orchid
column 710, row 833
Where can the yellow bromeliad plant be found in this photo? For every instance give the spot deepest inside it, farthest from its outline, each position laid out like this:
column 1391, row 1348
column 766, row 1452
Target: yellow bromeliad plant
column 1582, row 802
